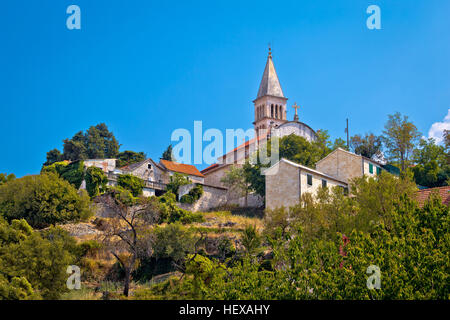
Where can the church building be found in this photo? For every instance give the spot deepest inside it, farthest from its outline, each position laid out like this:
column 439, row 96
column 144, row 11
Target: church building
column 270, row 114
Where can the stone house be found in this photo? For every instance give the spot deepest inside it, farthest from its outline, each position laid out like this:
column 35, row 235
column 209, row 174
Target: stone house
column 286, row 181
column 345, row 165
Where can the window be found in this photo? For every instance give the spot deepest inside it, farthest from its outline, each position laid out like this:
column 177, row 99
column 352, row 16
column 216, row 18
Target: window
column 324, row 183
column 344, row 190
column 370, row 168
column 149, row 166
column 271, row 111
column 309, row 179
column 378, row 170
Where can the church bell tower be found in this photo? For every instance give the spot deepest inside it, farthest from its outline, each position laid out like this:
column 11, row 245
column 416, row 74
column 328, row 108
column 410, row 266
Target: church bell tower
column 270, row 103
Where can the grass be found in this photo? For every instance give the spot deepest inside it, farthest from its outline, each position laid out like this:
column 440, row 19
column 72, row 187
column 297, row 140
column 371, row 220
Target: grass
column 84, row 293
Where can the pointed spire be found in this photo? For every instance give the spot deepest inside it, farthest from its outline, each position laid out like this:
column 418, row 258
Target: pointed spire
column 270, row 85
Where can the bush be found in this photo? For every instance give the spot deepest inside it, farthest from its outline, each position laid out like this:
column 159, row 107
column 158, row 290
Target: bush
column 193, row 195
column 170, row 212
column 35, row 261
column 43, row 200
column 73, row 172
column 96, row 181
column 176, row 181
column 131, row 183
column 89, row 247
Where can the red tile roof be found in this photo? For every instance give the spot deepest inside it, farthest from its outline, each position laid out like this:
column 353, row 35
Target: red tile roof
column 423, row 195
column 181, row 168
column 213, row 166
column 247, row 143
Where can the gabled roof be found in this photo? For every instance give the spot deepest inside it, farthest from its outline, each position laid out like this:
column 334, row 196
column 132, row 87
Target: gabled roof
column 181, row 168
column 306, row 169
column 350, row 153
column 134, row 166
column 209, row 168
column 423, row 195
column 270, row 85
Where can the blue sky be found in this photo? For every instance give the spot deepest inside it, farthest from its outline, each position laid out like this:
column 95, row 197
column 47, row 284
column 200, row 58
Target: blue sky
column 146, row 68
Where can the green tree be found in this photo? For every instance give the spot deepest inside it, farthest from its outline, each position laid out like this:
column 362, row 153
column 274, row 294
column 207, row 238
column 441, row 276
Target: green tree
column 124, row 235
column 96, row 143
column 251, row 240
column 236, row 181
column 168, row 154
column 400, row 137
column 255, row 179
column 4, row 178
column 36, row 262
column 172, row 241
column 368, row 145
column 74, row 149
column 376, row 197
column 339, row 143
column 128, row 157
column 43, row 200
column 432, row 168
column 53, row 156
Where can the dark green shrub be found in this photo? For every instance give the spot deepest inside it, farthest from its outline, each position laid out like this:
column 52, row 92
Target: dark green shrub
column 131, row 183
column 170, row 212
column 96, row 181
column 193, row 195
column 176, row 181
column 43, row 200
column 73, row 172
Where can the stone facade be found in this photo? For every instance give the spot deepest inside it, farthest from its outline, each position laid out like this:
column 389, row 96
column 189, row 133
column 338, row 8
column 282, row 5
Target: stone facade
column 286, row 181
column 147, row 170
column 345, row 165
column 212, row 197
column 214, row 176
column 216, row 196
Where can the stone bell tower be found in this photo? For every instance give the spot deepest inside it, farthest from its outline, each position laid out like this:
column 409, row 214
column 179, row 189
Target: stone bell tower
column 270, row 103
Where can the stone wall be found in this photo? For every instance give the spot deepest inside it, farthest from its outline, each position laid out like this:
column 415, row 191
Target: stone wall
column 213, row 178
column 282, row 186
column 212, row 197
column 341, row 164
column 153, row 174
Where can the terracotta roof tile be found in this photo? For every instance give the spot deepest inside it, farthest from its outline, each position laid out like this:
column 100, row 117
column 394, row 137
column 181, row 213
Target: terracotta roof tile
column 213, row 166
column 423, row 195
column 181, row 168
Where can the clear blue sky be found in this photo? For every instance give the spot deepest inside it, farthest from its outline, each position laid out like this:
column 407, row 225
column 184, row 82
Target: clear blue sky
column 146, row 68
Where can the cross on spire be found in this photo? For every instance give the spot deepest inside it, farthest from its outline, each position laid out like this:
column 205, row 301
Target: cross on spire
column 295, row 106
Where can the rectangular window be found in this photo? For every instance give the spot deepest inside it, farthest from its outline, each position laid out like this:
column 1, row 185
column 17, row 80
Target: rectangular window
column 309, row 179
column 345, row 190
column 378, row 170
column 324, row 183
column 370, row 168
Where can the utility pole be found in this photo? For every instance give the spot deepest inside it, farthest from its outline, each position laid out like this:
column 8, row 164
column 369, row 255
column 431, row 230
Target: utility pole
column 348, row 141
